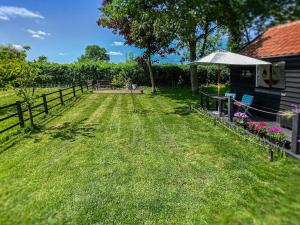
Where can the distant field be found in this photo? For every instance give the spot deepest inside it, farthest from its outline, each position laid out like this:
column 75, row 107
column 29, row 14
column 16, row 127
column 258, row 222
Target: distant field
column 9, row 96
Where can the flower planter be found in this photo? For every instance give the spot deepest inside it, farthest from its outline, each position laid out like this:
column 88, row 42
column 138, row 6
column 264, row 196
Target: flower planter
column 284, row 144
column 261, row 135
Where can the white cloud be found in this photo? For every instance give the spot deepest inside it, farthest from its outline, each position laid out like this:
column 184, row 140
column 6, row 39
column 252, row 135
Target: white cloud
column 19, row 47
column 2, row 17
column 62, row 53
column 8, row 12
column 115, row 53
column 117, row 43
column 38, row 34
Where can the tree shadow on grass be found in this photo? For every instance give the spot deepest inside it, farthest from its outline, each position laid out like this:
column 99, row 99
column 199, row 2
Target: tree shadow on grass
column 182, row 111
column 69, row 131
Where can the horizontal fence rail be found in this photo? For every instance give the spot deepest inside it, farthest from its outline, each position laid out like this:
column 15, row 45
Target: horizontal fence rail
column 20, row 108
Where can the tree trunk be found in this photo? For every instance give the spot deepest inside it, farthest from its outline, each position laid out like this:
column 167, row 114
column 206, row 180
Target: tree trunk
column 193, row 68
column 33, row 90
column 149, row 64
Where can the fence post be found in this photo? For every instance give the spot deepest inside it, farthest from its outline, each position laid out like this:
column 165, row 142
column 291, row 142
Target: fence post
column 20, row 114
column 207, row 102
column 230, row 108
column 271, row 154
column 30, row 115
column 45, row 103
column 74, row 93
column 61, row 97
column 296, row 133
column 81, row 87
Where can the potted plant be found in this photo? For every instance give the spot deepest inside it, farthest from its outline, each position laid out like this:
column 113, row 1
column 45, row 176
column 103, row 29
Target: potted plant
column 276, row 136
column 251, row 126
column 134, row 86
column 261, row 129
column 241, row 118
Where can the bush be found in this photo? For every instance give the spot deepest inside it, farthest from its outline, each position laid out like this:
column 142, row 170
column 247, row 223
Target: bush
column 165, row 75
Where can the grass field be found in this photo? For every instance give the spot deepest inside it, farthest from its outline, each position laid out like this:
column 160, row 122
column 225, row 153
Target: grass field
column 9, row 96
column 111, row 159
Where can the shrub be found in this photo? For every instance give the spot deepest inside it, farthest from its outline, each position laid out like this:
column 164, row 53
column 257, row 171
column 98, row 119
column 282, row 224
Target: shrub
column 165, row 74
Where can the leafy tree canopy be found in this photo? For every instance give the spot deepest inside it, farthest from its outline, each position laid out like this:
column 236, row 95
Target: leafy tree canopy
column 243, row 18
column 41, row 59
column 94, row 53
column 12, row 63
column 139, row 22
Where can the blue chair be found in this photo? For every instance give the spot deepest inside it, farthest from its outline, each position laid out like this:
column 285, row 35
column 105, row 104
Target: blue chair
column 245, row 103
column 232, row 95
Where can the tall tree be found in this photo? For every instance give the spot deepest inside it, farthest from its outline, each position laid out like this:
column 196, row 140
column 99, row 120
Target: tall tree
column 16, row 72
column 196, row 21
column 94, row 53
column 138, row 21
column 11, row 61
column 193, row 23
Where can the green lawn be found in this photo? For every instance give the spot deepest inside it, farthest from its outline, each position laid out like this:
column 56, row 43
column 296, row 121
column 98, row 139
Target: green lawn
column 111, row 159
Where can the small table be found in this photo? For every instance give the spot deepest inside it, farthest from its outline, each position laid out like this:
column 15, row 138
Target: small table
column 220, row 101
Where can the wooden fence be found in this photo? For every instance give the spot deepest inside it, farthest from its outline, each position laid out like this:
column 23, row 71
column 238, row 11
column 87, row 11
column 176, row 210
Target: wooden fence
column 61, row 95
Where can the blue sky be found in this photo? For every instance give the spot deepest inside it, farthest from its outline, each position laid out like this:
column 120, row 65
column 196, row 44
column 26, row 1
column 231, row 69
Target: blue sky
column 59, row 29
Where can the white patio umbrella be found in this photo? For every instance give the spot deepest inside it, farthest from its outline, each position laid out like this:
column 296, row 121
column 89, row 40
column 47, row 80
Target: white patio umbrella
column 229, row 58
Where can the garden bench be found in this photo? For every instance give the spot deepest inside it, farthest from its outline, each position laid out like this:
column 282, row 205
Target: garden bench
column 103, row 84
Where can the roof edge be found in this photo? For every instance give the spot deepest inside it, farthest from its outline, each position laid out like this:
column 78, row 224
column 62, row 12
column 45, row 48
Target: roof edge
column 249, row 43
column 279, row 56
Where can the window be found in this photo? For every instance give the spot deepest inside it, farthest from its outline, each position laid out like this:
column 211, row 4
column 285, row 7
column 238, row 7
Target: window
column 271, row 76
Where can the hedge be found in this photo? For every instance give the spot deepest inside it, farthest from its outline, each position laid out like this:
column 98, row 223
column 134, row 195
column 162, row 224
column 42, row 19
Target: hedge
column 165, row 74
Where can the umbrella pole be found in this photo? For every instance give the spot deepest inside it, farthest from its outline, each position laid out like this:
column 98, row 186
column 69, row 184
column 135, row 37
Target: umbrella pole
column 219, row 71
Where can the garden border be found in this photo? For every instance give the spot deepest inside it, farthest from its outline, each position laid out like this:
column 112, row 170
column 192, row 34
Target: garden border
column 264, row 143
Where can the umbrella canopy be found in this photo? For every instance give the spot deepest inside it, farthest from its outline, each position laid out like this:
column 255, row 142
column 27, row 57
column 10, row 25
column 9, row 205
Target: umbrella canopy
column 229, row 58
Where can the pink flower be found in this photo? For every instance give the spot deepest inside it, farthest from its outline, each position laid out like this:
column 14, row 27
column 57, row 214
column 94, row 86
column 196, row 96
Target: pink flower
column 275, row 129
column 262, row 124
column 251, row 123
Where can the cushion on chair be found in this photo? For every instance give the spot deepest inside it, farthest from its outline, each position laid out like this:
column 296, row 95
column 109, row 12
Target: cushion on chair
column 232, row 95
column 247, row 100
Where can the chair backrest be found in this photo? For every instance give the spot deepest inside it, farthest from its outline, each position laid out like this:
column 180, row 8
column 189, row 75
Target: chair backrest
column 247, row 99
column 232, row 95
